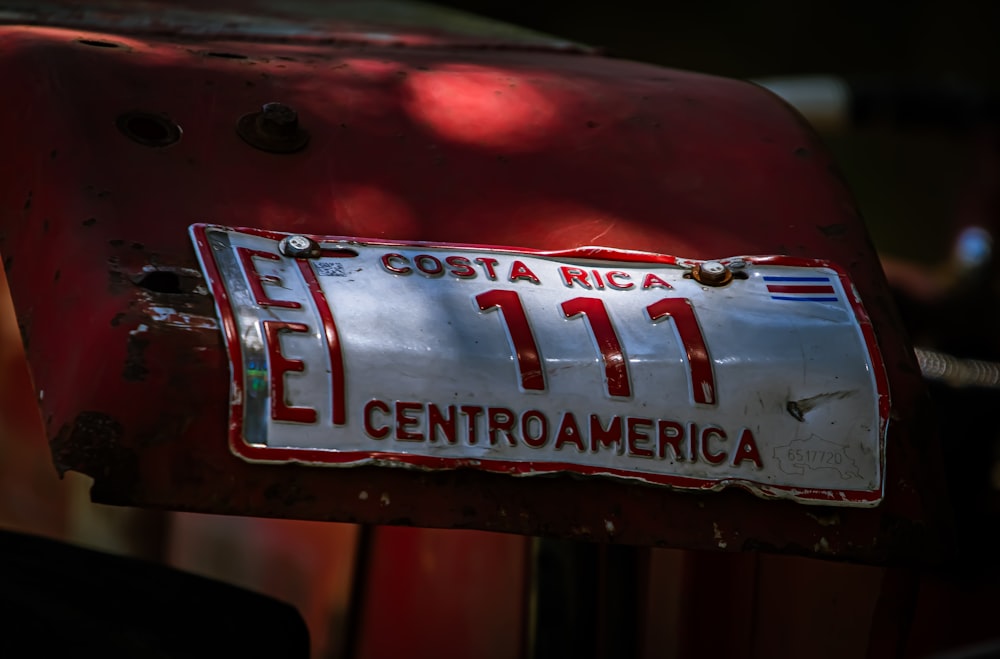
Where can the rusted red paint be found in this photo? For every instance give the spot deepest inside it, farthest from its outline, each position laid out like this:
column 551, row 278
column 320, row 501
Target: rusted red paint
column 515, row 147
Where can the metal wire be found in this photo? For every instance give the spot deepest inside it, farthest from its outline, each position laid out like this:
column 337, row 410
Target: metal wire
column 957, row 372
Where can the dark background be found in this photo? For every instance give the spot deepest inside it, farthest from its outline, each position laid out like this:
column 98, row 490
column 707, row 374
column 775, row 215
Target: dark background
column 745, row 38
column 915, row 187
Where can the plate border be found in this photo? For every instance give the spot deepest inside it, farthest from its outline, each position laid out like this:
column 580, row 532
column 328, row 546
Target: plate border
column 321, row 457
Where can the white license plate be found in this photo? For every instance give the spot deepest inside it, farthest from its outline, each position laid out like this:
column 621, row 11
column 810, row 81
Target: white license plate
column 597, row 362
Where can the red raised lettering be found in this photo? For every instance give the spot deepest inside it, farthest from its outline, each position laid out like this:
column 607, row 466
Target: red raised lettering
column 461, row 267
column 636, row 429
column 571, row 275
column 613, row 282
column 616, row 377
column 515, row 321
column 534, row 419
column 569, row 433
column 670, row 433
column 598, row 282
column 387, row 260
column 472, row 413
column 257, row 280
column 606, row 437
column 448, row 425
column 370, row 429
column 404, row 422
column 652, row 281
column 435, row 269
column 488, row 265
column 746, row 449
column 338, row 394
column 518, row 271
column 699, row 362
column 279, row 365
column 706, row 434
column 501, row 422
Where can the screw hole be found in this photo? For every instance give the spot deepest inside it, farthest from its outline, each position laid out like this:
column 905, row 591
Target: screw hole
column 149, row 129
column 226, row 55
column 160, row 281
column 339, row 252
column 99, row 44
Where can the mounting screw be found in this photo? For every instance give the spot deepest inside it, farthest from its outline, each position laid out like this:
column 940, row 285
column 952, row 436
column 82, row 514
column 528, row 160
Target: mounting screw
column 275, row 128
column 712, row 273
column 299, row 247
column 278, row 119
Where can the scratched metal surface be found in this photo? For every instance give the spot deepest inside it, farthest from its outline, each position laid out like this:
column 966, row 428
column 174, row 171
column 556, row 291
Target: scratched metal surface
column 512, row 146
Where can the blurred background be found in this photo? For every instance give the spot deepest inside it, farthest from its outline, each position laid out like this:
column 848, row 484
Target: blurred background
column 905, row 181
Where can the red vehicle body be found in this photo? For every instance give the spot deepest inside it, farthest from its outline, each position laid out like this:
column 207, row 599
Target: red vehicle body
column 123, row 127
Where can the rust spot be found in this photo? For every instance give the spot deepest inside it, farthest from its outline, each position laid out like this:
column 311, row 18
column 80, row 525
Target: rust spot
column 592, row 124
column 116, row 242
column 27, row 202
column 53, row 153
column 803, row 152
column 57, row 275
column 117, row 283
column 287, row 494
column 135, row 359
column 92, row 444
column 833, row 519
column 838, row 229
column 117, row 320
column 89, row 222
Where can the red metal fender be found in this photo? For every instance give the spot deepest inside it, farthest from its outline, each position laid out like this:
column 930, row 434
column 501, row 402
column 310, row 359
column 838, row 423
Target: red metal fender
column 121, row 138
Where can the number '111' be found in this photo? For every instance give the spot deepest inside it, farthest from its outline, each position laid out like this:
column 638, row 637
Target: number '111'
column 617, row 381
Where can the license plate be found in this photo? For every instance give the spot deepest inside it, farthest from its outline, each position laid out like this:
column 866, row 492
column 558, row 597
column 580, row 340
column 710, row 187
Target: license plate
column 597, row 362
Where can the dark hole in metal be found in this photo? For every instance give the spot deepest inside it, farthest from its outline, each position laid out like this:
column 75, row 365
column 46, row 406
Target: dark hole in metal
column 160, row 281
column 99, row 44
column 149, row 129
column 340, row 252
column 226, row 55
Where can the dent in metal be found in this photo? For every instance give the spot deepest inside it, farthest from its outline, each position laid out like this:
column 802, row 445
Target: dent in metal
column 799, row 408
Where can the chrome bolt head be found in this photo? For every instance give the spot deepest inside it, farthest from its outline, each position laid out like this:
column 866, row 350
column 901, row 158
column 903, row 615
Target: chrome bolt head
column 299, row 247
